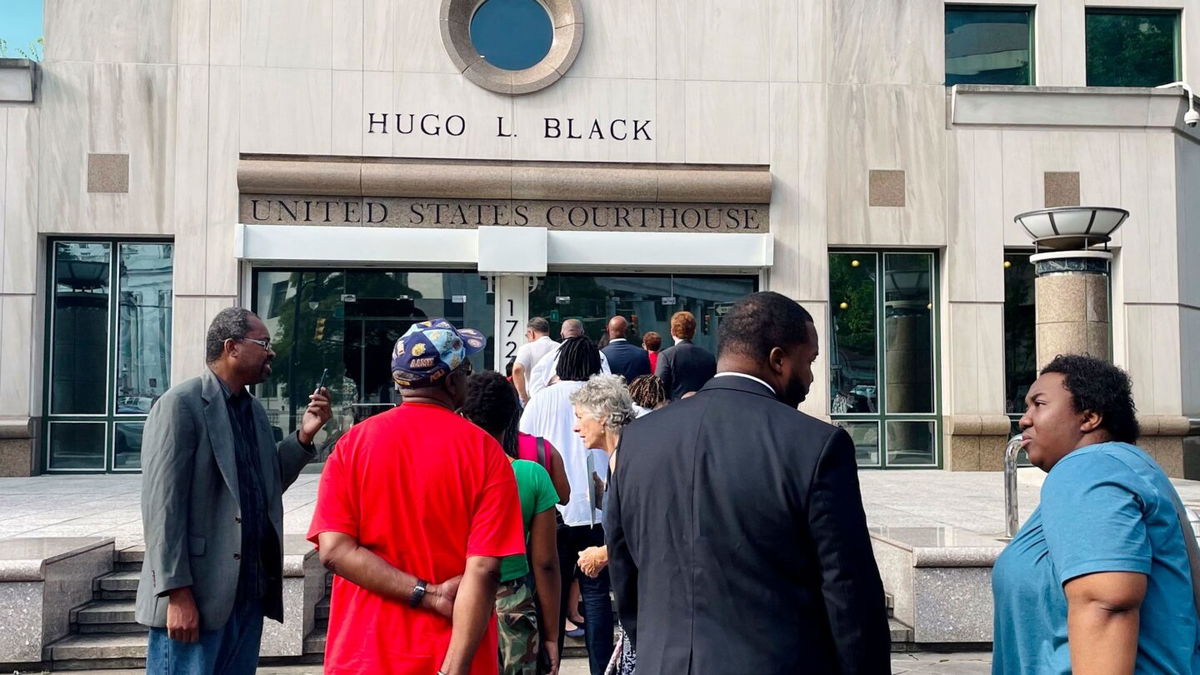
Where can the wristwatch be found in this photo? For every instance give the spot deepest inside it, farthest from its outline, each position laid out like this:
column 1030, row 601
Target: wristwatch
column 418, row 594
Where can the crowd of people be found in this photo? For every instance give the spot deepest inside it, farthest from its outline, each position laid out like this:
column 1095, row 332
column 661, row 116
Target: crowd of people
column 470, row 526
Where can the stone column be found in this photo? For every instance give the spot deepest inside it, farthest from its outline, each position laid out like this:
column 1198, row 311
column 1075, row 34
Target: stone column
column 1072, row 306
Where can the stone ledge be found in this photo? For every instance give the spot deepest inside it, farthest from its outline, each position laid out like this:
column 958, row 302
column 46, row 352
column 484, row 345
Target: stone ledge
column 1078, row 107
column 16, row 428
column 26, row 559
column 978, row 425
column 498, row 179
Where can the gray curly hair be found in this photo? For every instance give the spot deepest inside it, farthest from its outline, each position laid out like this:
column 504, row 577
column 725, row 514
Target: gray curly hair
column 605, row 398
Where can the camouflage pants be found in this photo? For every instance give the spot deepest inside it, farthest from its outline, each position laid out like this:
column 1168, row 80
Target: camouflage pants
column 517, row 616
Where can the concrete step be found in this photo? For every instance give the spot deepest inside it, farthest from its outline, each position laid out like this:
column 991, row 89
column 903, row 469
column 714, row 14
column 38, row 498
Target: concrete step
column 119, row 581
column 99, row 647
column 315, row 643
column 902, row 635
column 106, row 612
column 322, row 609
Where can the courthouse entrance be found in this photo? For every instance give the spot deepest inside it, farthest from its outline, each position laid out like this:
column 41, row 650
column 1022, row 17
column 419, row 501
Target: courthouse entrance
column 346, row 321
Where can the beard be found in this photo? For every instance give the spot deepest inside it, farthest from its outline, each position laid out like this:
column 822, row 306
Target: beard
column 794, row 392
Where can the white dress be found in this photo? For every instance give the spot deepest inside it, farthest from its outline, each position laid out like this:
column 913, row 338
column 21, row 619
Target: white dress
column 551, row 416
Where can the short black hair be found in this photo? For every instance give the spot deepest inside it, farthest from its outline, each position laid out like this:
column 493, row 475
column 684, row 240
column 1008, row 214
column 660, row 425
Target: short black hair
column 578, row 359
column 1100, row 387
column 760, row 322
column 539, row 325
column 491, row 404
column 231, row 323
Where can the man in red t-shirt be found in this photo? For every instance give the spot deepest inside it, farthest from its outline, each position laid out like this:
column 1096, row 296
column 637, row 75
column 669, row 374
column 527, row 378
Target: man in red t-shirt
column 415, row 509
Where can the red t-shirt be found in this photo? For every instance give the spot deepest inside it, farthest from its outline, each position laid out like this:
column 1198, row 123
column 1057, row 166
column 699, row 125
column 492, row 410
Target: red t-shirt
column 423, row 489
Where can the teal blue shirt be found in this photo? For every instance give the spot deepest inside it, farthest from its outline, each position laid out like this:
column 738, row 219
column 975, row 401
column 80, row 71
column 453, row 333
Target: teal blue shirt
column 1105, row 508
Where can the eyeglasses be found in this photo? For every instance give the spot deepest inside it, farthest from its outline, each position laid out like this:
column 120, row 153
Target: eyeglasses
column 265, row 344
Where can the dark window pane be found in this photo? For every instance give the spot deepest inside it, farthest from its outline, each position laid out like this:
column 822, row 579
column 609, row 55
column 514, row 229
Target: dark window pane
column 79, row 329
column 908, row 329
column 640, row 298
column 144, row 326
column 1020, row 349
column 512, row 34
column 77, row 445
column 866, row 441
column 853, row 354
column 988, row 46
column 910, row 443
column 347, row 321
column 127, row 450
column 1132, row 49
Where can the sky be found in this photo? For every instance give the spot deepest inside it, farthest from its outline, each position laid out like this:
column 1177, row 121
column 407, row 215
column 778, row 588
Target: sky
column 20, row 24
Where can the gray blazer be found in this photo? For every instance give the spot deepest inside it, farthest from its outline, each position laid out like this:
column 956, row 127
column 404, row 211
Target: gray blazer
column 191, row 516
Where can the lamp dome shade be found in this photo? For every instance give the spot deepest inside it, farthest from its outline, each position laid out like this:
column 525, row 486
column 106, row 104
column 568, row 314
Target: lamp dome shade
column 1072, row 227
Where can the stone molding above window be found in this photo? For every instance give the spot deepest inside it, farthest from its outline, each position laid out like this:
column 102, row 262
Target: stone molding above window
column 567, row 19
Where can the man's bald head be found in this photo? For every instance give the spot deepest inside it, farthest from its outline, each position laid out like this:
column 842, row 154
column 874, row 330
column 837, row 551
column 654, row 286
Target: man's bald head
column 618, row 326
column 571, row 328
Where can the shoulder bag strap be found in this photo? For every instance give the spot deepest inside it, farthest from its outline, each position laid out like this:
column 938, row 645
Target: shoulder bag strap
column 541, row 453
column 1193, row 551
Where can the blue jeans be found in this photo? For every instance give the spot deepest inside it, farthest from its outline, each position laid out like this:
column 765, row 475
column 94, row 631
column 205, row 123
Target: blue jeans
column 229, row 650
column 597, row 603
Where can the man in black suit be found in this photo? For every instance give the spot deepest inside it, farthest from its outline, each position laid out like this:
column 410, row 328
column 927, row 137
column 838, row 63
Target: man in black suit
column 624, row 358
column 736, row 535
column 685, row 367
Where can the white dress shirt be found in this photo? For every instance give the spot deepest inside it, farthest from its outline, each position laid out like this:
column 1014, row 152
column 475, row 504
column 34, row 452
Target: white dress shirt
column 748, row 377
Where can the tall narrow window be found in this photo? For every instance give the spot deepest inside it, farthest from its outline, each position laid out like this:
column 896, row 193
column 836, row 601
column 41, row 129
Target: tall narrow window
column 1020, row 349
column 882, row 351
column 989, row 45
column 109, row 350
column 1132, row 48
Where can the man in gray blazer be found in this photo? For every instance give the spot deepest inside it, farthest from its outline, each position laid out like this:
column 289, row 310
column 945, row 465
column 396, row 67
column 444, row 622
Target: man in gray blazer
column 212, row 507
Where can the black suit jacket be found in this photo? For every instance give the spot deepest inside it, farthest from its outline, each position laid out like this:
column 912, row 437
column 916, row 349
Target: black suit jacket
column 737, row 541
column 628, row 359
column 685, row 367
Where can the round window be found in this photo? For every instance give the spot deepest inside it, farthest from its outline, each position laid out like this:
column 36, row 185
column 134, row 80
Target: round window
column 512, row 46
column 512, row 34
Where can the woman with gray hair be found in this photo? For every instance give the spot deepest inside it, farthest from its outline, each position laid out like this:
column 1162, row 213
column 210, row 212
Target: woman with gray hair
column 602, row 407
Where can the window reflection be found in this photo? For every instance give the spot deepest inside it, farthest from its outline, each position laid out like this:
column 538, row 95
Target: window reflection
column 1132, row 48
column 79, row 332
column 346, row 322
column 853, row 360
column 988, row 45
column 908, row 351
column 143, row 370
column 640, row 298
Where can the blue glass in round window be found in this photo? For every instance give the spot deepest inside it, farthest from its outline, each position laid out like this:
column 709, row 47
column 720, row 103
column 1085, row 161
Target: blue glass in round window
column 512, row 34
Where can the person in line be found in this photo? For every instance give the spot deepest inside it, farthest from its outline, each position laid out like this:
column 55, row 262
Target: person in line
column 652, row 342
column 544, row 372
column 212, row 506
column 648, row 394
column 551, row 415
column 624, row 358
column 524, row 635
column 415, row 510
column 539, row 451
column 736, row 536
column 602, row 407
column 1098, row 580
column 537, row 345
column 685, row 367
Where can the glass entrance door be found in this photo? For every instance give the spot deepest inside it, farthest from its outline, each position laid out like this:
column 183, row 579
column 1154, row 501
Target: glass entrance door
column 346, row 322
column 646, row 300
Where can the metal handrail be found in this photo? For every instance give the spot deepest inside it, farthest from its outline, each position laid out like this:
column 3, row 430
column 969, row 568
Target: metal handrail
column 1010, row 485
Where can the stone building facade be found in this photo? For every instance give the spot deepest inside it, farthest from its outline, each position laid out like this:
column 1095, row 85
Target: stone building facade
column 346, row 166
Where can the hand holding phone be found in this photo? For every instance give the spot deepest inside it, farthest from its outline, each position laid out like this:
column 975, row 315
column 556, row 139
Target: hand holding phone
column 321, row 382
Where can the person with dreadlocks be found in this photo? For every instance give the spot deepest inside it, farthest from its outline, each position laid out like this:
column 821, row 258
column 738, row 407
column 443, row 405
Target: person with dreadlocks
column 490, row 403
column 551, row 415
column 649, row 394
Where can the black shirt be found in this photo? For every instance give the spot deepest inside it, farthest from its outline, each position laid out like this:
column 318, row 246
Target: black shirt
column 256, row 526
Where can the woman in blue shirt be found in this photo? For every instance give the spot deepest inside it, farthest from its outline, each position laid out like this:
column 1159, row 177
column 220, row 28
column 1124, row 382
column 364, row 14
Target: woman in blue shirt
column 1098, row 579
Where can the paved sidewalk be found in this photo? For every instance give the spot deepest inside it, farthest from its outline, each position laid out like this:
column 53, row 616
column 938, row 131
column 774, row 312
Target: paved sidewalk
column 968, row 663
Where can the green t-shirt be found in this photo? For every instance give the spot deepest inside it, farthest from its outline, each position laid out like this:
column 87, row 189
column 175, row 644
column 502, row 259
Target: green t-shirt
column 537, row 494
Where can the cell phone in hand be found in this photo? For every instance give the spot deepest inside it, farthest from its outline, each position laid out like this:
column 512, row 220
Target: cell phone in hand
column 321, row 382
